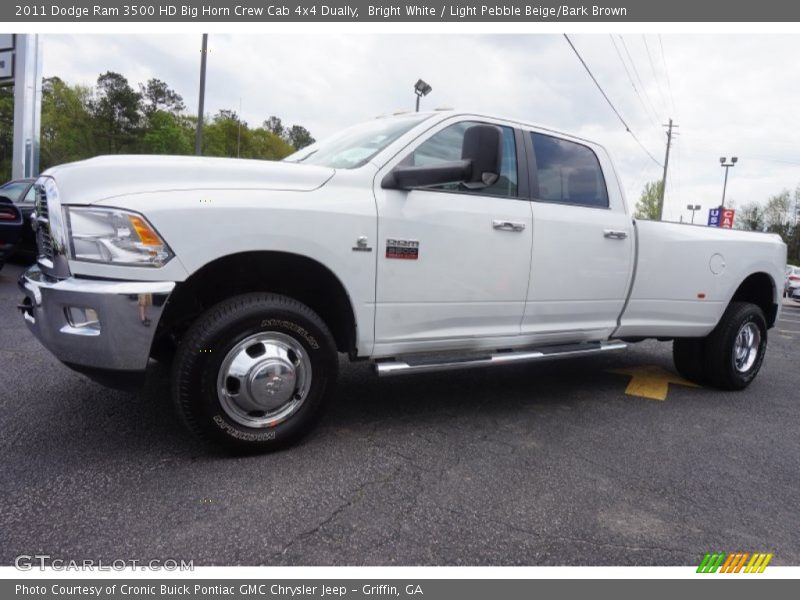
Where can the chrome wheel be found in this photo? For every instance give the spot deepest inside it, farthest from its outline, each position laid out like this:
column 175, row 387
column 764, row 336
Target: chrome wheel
column 264, row 379
column 746, row 347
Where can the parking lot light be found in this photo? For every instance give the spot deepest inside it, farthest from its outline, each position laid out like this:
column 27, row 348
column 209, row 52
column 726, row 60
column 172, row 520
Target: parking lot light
column 421, row 89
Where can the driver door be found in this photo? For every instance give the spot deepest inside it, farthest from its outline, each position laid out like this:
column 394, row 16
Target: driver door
column 453, row 263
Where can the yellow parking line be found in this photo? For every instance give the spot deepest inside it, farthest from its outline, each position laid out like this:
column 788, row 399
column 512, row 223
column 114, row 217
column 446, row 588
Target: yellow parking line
column 650, row 381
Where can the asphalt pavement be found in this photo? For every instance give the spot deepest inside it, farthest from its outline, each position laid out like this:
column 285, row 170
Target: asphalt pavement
column 541, row 464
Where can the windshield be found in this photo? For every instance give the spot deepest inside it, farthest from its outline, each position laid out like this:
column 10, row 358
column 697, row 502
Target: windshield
column 13, row 190
column 355, row 146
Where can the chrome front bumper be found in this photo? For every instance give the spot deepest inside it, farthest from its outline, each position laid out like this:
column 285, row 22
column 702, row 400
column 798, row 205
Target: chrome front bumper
column 128, row 313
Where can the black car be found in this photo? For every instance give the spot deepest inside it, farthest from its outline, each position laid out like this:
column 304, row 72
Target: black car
column 10, row 228
column 23, row 195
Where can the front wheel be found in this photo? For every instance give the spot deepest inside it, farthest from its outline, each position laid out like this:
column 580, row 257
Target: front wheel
column 254, row 372
column 734, row 350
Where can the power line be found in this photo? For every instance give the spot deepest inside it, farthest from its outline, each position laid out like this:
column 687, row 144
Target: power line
column 638, row 77
column 611, row 104
column 633, row 83
column 653, row 69
column 666, row 72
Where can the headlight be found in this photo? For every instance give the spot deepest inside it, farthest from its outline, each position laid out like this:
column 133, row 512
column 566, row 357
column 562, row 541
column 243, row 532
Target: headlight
column 115, row 236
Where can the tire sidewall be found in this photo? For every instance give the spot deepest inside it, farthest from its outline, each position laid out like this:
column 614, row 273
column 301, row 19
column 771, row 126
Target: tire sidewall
column 210, row 351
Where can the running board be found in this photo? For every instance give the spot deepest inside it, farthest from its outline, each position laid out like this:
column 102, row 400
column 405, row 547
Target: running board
column 394, row 367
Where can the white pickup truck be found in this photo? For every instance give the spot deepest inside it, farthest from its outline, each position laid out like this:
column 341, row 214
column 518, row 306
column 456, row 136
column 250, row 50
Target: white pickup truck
column 424, row 242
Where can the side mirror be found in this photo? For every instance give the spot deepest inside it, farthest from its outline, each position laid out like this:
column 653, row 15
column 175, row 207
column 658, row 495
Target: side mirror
column 479, row 167
column 483, row 147
column 407, row 178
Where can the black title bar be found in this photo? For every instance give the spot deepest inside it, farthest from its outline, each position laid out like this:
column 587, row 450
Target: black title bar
column 601, row 11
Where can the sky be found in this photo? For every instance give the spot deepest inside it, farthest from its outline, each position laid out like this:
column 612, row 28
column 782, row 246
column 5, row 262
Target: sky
column 731, row 95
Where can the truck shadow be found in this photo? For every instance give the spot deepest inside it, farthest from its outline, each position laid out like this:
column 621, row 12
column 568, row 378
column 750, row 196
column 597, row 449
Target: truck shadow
column 146, row 422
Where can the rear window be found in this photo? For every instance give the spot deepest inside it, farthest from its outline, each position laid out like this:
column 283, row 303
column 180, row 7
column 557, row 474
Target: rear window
column 568, row 172
column 13, row 190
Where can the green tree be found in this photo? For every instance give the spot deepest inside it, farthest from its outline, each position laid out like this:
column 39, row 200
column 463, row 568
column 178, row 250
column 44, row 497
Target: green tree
column 225, row 135
column 275, row 125
column 158, row 96
column 750, row 217
column 266, row 145
column 116, row 110
column 67, row 132
column 777, row 217
column 112, row 117
column 299, row 137
column 6, row 131
column 647, row 206
column 168, row 133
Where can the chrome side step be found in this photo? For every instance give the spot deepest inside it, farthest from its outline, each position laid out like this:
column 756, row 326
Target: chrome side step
column 394, row 367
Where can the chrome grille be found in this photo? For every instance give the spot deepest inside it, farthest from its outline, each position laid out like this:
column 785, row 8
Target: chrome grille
column 44, row 238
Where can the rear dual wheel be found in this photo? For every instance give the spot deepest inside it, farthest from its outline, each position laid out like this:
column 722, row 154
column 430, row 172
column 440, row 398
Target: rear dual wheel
column 731, row 355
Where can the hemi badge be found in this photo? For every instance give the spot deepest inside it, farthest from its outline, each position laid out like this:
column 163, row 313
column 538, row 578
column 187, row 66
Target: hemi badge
column 402, row 249
column 362, row 244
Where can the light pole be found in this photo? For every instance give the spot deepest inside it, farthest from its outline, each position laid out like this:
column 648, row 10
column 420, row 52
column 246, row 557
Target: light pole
column 694, row 208
column 726, row 165
column 198, row 137
column 421, row 89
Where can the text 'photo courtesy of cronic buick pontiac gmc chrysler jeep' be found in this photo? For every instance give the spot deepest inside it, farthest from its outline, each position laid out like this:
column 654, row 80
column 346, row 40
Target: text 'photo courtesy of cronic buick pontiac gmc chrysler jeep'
column 424, row 242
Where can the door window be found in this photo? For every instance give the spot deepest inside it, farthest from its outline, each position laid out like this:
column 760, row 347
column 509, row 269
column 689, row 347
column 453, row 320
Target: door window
column 568, row 172
column 445, row 146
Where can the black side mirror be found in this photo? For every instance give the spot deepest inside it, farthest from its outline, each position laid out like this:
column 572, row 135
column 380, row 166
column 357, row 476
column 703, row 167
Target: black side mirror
column 479, row 167
column 483, row 147
column 406, row 178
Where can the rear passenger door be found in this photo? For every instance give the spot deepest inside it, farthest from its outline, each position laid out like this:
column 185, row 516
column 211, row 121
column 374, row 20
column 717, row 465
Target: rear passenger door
column 582, row 257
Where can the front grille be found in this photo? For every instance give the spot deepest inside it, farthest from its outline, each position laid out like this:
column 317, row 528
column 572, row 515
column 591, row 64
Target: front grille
column 44, row 238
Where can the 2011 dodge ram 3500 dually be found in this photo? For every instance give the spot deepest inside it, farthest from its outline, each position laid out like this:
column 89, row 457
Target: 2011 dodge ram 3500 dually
column 424, row 241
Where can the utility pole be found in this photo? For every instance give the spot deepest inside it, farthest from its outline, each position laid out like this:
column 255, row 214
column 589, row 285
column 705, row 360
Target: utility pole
column 669, row 127
column 239, row 132
column 198, row 138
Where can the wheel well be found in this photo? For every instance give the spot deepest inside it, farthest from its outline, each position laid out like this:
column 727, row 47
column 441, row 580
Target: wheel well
column 759, row 289
column 299, row 277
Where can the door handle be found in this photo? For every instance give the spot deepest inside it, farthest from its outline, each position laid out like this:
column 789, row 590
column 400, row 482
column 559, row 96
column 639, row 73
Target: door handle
column 508, row 225
column 613, row 234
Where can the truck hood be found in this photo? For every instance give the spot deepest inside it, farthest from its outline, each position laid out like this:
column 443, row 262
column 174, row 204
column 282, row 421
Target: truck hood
column 98, row 179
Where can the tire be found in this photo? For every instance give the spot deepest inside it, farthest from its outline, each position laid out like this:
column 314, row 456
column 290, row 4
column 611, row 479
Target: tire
column 722, row 366
column 688, row 356
column 254, row 372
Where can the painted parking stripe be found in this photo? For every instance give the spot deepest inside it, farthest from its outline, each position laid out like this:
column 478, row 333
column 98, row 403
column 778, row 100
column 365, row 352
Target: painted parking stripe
column 650, row 381
column 786, row 331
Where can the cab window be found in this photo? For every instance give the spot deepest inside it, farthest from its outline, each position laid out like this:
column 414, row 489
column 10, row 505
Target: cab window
column 445, row 146
column 568, row 172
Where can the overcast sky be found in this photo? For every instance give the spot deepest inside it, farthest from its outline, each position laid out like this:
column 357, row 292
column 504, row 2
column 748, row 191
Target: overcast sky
column 730, row 94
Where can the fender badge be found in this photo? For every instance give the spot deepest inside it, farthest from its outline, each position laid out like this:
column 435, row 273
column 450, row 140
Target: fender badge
column 362, row 244
column 402, row 249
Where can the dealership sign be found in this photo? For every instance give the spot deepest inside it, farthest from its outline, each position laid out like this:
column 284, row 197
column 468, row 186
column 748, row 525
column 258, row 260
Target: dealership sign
column 721, row 217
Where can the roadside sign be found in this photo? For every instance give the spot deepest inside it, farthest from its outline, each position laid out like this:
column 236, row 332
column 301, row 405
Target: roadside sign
column 727, row 218
column 721, row 217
